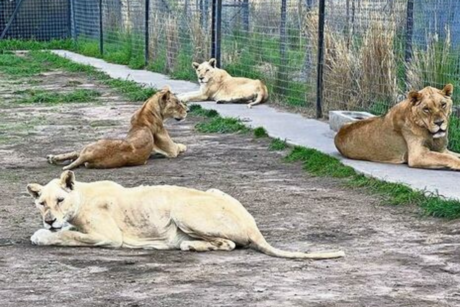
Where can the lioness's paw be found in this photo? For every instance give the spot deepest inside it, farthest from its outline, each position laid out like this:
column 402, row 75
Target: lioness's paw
column 42, row 237
column 182, row 147
column 50, row 159
column 249, row 106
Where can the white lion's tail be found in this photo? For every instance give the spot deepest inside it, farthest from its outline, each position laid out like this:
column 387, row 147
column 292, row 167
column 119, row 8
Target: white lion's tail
column 258, row 242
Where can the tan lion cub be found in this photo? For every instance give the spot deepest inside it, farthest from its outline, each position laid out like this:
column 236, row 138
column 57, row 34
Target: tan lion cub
column 216, row 84
column 150, row 217
column 147, row 134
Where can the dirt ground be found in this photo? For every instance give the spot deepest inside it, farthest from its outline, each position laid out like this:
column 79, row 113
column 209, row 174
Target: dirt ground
column 394, row 256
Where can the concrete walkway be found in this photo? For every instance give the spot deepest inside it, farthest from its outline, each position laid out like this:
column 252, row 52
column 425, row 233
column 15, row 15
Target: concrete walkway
column 297, row 130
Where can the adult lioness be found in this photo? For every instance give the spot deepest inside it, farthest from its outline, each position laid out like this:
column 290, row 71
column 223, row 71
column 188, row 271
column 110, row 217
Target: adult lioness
column 147, row 134
column 414, row 131
column 217, row 84
column 150, row 217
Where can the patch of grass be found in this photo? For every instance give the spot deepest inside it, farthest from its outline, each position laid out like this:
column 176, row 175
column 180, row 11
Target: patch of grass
column 16, row 44
column 129, row 89
column 222, row 125
column 260, row 132
column 42, row 96
column 197, row 110
column 18, row 66
column 278, row 145
column 321, row 164
column 454, row 133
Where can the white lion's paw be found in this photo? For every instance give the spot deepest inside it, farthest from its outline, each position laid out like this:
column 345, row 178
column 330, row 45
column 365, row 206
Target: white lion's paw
column 182, row 147
column 249, row 106
column 50, row 159
column 42, row 237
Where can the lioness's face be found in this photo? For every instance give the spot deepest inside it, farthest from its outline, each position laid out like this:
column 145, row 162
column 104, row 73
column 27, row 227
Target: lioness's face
column 432, row 108
column 56, row 201
column 172, row 106
column 205, row 71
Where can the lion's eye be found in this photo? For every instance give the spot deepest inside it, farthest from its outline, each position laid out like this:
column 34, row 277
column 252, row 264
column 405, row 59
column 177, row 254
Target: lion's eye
column 426, row 110
column 207, row 70
column 60, row 200
column 444, row 105
column 42, row 203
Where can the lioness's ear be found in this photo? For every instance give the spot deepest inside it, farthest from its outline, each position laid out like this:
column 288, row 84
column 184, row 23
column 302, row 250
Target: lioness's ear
column 414, row 97
column 166, row 88
column 34, row 189
column 212, row 62
column 195, row 65
column 68, row 180
column 448, row 90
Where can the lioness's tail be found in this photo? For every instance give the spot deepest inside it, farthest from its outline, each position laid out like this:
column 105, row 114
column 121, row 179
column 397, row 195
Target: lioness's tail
column 258, row 242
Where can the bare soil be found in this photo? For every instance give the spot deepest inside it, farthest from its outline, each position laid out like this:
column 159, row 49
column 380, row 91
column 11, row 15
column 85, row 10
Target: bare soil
column 394, row 256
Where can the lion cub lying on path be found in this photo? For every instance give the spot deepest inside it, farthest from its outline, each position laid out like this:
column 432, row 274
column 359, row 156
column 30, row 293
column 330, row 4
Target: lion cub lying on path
column 151, row 217
column 414, row 131
column 147, row 134
column 217, row 84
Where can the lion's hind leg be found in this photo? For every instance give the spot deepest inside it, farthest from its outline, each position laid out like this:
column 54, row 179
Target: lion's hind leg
column 55, row 159
column 204, row 246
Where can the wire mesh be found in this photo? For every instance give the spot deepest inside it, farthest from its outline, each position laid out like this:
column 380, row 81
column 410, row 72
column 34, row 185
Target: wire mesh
column 41, row 20
column 123, row 24
column 179, row 33
column 375, row 50
column 85, row 27
column 272, row 40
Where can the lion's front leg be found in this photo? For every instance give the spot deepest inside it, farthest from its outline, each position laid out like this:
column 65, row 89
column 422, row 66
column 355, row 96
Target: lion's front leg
column 457, row 155
column 193, row 96
column 72, row 238
column 164, row 145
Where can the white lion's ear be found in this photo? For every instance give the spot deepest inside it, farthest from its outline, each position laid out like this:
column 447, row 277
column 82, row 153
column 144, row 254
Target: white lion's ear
column 212, row 62
column 414, row 97
column 34, row 189
column 448, row 90
column 68, row 180
column 195, row 65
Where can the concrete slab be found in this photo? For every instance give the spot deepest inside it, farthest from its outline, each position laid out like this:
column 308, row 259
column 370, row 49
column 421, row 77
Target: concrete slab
column 296, row 129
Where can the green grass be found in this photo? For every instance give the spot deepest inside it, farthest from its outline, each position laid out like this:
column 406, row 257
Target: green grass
column 129, row 89
column 197, row 110
column 222, row 125
column 19, row 67
column 260, row 132
column 16, row 44
column 278, row 145
column 42, row 96
column 320, row 164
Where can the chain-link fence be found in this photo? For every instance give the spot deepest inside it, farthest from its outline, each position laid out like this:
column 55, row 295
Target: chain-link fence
column 371, row 52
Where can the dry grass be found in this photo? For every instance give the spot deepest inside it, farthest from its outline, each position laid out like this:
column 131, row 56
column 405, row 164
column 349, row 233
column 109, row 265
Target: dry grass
column 431, row 64
column 357, row 72
column 200, row 38
column 172, row 42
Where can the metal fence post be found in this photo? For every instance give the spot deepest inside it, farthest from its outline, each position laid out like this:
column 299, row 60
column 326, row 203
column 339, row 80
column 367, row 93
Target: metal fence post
column 216, row 30
column 282, row 73
column 409, row 31
column 147, row 38
column 246, row 16
column 101, row 32
column 319, row 79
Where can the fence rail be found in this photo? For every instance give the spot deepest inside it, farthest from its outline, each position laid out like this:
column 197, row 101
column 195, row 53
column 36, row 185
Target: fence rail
column 317, row 55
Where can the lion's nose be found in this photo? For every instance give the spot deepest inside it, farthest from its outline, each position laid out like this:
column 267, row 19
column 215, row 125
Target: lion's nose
column 201, row 78
column 439, row 122
column 50, row 222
